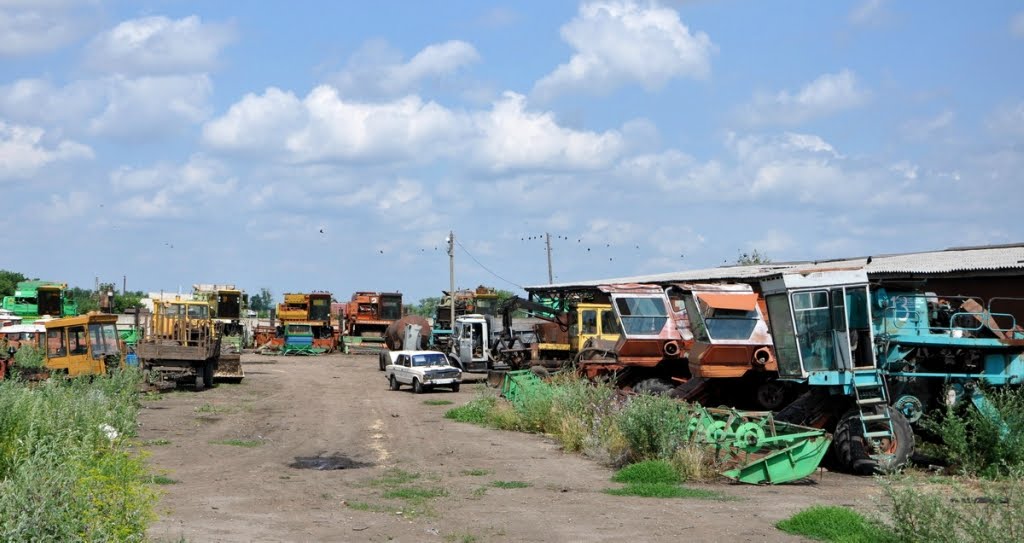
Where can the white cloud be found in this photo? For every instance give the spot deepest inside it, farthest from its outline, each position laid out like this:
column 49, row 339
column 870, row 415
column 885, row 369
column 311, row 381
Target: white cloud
column 159, row 46
column 144, row 108
column 152, row 107
column 621, row 41
column 1007, row 120
column 36, row 27
column 325, row 128
column 868, row 12
column 928, row 128
column 512, row 138
column 169, row 190
column 376, row 70
column 827, row 94
column 24, row 150
column 1017, row 25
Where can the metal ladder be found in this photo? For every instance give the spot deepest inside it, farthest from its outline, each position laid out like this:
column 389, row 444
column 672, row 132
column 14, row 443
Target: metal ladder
column 870, row 395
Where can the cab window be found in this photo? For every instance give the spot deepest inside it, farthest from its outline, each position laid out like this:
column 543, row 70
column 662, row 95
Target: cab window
column 78, row 342
column 589, row 321
column 609, row 325
column 55, row 343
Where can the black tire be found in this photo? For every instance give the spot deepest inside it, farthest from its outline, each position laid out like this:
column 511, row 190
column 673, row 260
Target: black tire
column 380, row 359
column 856, row 455
column 417, row 386
column 455, row 387
column 655, row 387
column 394, row 384
column 771, row 396
column 208, row 371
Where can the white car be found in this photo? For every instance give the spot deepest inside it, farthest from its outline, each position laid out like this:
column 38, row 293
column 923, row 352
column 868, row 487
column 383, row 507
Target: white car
column 421, row 370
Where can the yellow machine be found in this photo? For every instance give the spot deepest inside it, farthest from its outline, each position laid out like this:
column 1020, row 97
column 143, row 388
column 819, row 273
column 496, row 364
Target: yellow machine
column 226, row 303
column 84, row 345
column 181, row 341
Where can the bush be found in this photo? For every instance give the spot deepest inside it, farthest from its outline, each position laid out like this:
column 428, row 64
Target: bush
column 838, row 524
column 987, row 444
column 653, row 426
column 65, row 472
column 993, row 511
column 29, row 357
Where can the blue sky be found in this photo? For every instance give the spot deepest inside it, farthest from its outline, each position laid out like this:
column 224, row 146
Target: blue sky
column 333, row 145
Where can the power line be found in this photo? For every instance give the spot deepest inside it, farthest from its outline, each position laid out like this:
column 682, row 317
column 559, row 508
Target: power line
column 488, row 270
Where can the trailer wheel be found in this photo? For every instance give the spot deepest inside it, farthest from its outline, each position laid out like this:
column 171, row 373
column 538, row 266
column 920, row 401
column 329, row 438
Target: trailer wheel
column 654, row 386
column 417, row 386
column 856, row 455
column 394, row 383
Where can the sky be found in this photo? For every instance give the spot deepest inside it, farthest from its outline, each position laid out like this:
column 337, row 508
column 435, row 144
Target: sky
column 309, row 145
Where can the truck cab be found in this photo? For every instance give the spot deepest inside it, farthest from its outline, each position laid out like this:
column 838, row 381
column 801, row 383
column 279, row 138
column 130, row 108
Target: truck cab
column 471, row 342
column 85, row 345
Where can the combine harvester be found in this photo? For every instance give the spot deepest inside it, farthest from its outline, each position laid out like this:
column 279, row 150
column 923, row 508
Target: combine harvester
column 874, row 359
column 226, row 303
column 34, row 299
column 366, row 319
column 305, row 326
column 746, row 446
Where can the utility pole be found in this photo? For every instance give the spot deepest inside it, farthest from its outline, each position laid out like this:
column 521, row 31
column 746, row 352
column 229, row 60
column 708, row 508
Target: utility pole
column 451, row 278
column 547, row 241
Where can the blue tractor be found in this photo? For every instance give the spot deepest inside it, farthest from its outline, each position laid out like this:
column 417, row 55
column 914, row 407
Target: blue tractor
column 874, row 359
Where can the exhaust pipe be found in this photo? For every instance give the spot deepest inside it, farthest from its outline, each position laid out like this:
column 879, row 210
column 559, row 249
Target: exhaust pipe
column 671, row 348
column 763, row 356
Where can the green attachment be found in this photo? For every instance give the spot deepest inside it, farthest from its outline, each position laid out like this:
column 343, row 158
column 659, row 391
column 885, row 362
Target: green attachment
column 362, row 345
column 301, row 350
column 746, row 446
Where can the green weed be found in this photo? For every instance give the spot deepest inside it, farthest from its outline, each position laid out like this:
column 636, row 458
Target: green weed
column 438, row 402
column 414, row 493
column 836, row 524
column 647, row 472
column 249, row 443
column 476, row 472
column 510, row 484
column 395, row 477
column 156, row 442
column 662, row 490
column 162, row 480
column 989, row 444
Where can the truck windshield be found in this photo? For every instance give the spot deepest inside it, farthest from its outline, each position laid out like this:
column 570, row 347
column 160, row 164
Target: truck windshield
column 104, row 340
column 642, row 315
column 432, row 359
column 390, row 308
column 198, row 311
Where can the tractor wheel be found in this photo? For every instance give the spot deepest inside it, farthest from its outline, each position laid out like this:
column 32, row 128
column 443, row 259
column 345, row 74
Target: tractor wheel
column 417, row 386
column 654, row 386
column 771, row 395
column 394, row 383
column 380, row 359
column 857, row 455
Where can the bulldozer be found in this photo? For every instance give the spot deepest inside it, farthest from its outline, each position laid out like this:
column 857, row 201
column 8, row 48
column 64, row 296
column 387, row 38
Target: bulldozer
column 226, row 304
column 181, row 342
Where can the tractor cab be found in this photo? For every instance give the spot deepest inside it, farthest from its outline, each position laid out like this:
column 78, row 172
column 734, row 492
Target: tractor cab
column 821, row 324
column 85, row 345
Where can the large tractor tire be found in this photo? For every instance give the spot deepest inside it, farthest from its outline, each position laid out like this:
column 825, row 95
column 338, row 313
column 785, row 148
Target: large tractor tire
column 856, row 455
column 654, row 387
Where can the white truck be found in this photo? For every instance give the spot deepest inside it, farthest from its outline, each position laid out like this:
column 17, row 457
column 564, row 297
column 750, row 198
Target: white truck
column 422, row 370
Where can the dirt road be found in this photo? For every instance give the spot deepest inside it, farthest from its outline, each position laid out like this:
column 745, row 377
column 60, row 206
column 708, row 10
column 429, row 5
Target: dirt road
column 238, row 459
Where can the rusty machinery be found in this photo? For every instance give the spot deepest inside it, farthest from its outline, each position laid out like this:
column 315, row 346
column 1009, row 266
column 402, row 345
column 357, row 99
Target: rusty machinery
column 367, row 317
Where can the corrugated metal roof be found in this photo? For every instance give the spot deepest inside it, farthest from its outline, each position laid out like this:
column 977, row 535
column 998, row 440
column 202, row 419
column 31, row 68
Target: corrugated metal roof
column 1006, row 257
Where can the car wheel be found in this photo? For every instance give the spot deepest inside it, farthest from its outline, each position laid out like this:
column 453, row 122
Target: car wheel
column 455, row 387
column 417, row 386
column 394, row 383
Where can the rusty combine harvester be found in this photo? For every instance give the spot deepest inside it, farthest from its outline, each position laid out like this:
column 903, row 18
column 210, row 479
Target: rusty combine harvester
column 305, row 324
column 367, row 317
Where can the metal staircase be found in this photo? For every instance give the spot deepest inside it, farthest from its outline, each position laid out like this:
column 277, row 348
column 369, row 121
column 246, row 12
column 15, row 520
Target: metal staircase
column 872, row 398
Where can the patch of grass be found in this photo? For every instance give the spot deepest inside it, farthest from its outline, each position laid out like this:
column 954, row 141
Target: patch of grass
column 249, row 443
column 371, row 507
column 414, row 493
column 479, row 492
column 162, row 480
column 647, row 472
column 476, row 472
column 988, row 443
column 395, row 477
column 836, row 524
column 67, row 471
column 438, row 402
column 461, row 538
column 510, row 484
column 662, row 490
column 156, row 442
column 476, row 411
column 207, row 408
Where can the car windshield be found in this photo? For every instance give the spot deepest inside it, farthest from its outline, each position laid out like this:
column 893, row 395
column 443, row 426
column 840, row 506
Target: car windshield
column 432, row 359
